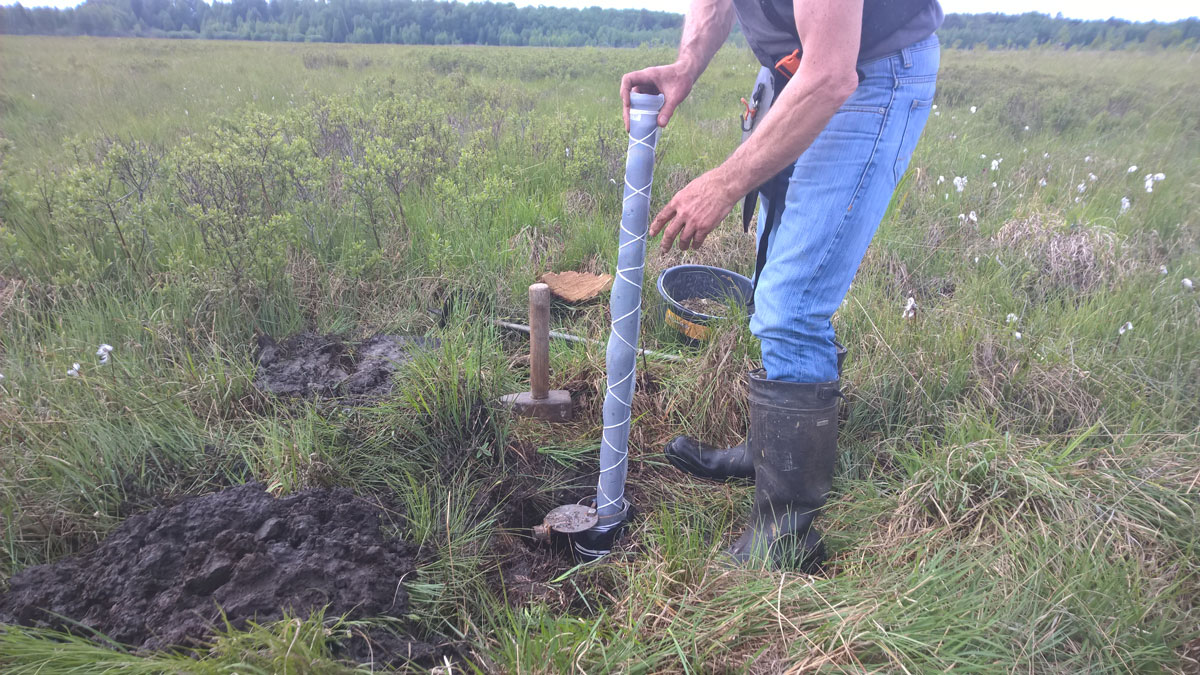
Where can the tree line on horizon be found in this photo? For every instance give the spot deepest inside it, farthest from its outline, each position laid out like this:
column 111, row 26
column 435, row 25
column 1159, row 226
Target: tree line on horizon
column 486, row 23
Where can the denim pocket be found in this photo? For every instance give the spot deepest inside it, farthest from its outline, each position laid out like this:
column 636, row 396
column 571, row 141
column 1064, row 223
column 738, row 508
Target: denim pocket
column 877, row 109
column 914, row 124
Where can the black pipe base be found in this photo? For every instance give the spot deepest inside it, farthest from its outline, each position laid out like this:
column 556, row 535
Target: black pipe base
column 594, row 544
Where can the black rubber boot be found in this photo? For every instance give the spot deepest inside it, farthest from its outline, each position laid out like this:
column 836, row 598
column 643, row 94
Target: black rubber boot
column 793, row 446
column 708, row 461
column 720, row 464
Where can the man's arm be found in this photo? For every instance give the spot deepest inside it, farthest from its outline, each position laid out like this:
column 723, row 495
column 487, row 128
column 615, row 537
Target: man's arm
column 830, row 31
column 705, row 29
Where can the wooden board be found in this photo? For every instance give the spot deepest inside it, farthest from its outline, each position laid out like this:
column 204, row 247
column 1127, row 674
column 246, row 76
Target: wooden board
column 576, row 286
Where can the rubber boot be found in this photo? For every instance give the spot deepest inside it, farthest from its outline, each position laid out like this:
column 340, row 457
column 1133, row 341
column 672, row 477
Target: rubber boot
column 720, row 464
column 793, row 446
column 708, row 461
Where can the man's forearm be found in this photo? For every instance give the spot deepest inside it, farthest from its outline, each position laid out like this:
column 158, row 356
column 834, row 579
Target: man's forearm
column 791, row 125
column 829, row 30
column 705, row 29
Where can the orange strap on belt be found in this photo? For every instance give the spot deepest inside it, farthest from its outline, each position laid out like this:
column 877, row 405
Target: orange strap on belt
column 788, row 65
column 750, row 112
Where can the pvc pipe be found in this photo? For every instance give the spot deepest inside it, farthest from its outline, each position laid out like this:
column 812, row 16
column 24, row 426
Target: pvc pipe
column 626, row 311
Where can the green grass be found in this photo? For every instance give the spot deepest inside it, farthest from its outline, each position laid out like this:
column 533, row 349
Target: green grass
column 1001, row 504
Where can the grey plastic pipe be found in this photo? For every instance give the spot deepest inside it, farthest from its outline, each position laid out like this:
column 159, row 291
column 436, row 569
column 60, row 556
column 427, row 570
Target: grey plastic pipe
column 626, row 311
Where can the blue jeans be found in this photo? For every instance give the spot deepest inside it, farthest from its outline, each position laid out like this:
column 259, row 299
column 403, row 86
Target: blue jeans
column 839, row 191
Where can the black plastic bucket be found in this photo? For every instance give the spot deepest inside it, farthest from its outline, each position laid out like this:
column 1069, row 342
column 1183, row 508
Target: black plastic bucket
column 684, row 282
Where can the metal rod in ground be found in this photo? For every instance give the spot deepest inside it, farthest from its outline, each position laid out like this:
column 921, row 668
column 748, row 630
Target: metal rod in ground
column 559, row 335
column 621, row 356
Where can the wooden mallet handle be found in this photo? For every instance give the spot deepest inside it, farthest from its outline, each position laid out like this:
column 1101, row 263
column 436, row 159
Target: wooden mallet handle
column 539, row 341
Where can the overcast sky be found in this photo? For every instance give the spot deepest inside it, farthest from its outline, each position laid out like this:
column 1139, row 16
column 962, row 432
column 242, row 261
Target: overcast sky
column 1134, row 10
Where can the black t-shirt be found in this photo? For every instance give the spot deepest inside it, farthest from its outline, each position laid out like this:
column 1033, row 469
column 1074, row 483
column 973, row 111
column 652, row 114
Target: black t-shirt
column 888, row 25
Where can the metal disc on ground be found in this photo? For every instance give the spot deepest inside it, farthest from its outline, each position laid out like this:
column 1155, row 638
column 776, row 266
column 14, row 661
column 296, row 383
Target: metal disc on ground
column 567, row 519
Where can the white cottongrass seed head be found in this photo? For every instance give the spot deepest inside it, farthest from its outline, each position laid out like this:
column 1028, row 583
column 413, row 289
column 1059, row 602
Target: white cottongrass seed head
column 910, row 308
column 973, row 109
column 1187, row 284
column 1127, row 326
column 1082, row 187
column 1125, row 203
column 1017, row 334
column 1041, row 182
column 1152, row 178
column 941, row 179
column 1131, row 169
column 1162, row 269
column 1092, row 177
column 103, row 352
column 74, row 371
column 1011, row 318
column 960, row 182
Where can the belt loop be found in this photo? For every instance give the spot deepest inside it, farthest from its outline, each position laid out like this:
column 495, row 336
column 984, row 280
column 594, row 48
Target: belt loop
column 906, row 56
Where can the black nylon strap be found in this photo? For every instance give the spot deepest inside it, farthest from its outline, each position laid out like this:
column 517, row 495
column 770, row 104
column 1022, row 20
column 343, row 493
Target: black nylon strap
column 748, row 204
column 775, row 191
column 760, row 259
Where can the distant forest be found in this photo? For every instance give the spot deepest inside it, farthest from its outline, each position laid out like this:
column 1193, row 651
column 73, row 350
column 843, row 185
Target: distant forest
column 486, row 23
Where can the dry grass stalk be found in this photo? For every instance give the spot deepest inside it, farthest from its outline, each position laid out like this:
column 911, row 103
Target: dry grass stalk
column 579, row 203
column 1027, row 394
column 1081, row 258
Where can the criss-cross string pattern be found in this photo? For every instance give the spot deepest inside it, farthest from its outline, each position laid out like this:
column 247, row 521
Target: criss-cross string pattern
column 626, row 322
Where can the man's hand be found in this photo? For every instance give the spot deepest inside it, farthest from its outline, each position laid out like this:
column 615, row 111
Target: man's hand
column 674, row 82
column 705, row 28
column 695, row 211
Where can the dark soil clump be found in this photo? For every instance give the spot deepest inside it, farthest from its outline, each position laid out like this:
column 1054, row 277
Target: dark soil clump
column 307, row 364
column 162, row 578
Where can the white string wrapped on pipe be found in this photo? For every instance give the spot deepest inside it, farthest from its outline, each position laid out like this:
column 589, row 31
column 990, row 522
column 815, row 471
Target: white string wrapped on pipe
column 626, row 308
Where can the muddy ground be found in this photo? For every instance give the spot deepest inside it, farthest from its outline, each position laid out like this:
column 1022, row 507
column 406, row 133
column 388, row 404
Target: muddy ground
column 308, row 364
column 161, row 578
